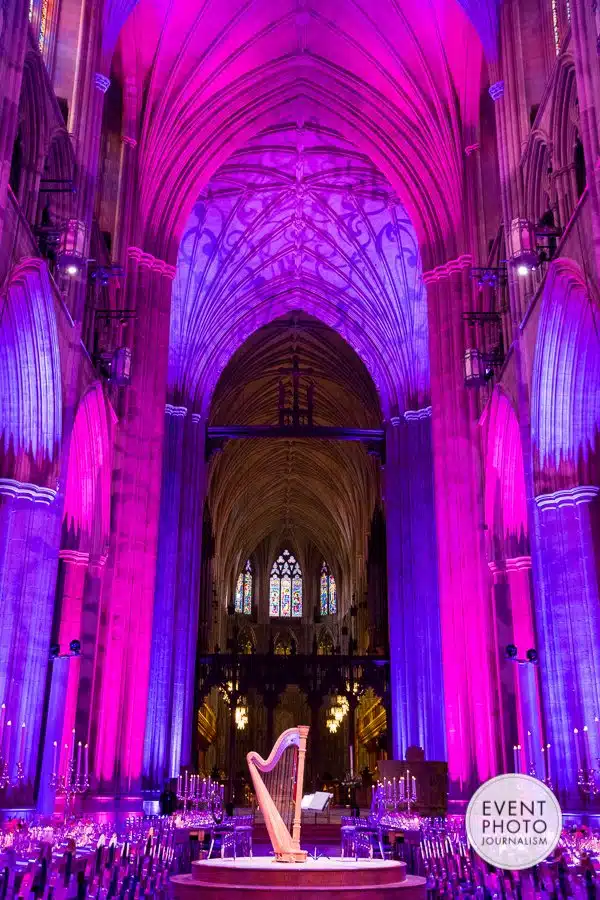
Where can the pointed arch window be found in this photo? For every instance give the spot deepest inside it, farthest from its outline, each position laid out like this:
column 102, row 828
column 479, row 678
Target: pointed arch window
column 285, row 588
column 243, row 591
column 328, row 592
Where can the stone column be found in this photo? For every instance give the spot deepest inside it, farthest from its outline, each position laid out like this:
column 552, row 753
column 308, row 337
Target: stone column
column 568, row 623
column 189, row 568
column 168, row 743
column 413, row 599
column 14, row 44
column 468, row 646
column 159, row 722
column 128, row 593
column 29, row 537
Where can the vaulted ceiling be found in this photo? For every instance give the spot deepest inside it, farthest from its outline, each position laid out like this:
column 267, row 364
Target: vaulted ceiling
column 401, row 81
column 298, row 219
column 300, row 157
column 300, row 491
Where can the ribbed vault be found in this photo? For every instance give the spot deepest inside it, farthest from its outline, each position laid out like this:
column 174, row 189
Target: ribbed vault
column 400, row 80
column 299, row 219
column 296, row 490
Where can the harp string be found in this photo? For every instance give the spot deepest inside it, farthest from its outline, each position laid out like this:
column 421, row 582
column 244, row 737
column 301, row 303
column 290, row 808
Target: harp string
column 281, row 784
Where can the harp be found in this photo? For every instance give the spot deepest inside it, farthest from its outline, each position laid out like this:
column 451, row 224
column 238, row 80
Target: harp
column 277, row 784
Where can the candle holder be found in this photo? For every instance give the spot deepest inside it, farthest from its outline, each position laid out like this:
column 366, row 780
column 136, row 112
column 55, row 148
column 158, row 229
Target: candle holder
column 397, row 793
column 198, row 793
column 586, row 782
column 72, row 782
column 7, row 780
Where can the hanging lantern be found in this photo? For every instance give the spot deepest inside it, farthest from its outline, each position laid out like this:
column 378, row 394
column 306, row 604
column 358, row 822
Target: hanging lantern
column 71, row 255
column 120, row 369
column 241, row 717
column 474, row 367
column 522, row 246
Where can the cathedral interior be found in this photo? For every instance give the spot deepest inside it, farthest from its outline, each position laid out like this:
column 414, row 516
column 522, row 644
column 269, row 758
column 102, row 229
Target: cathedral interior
column 299, row 391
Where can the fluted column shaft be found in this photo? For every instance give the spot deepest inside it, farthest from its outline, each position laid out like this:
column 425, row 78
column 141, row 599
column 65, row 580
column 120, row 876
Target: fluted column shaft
column 470, row 685
column 129, row 582
column 168, row 742
column 413, row 600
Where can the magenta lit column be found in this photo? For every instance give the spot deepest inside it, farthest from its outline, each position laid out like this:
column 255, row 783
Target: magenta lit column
column 468, row 644
column 128, row 594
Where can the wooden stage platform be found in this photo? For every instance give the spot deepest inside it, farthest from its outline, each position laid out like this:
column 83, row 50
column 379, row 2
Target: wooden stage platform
column 259, row 877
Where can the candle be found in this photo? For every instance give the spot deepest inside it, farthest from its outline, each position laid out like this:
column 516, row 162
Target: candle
column 515, row 758
column 530, row 749
column 2, row 718
column 548, row 772
column 22, row 745
column 577, row 750
column 6, row 755
column 79, row 759
column 85, row 761
column 55, row 758
column 186, row 782
column 73, row 746
column 414, row 788
column 543, row 752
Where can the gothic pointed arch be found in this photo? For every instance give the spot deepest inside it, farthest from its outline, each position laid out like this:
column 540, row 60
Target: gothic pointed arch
column 30, row 378
column 566, row 382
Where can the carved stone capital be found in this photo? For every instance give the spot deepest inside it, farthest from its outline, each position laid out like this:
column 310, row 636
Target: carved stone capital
column 569, row 497
column 21, row 490
column 496, row 90
column 415, row 415
column 147, row 261
column 179, row 412
column 101, row 82
column 440, row 273
column 75, row 557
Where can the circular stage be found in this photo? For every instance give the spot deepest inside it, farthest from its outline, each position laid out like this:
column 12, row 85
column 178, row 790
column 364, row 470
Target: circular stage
column 261, row 877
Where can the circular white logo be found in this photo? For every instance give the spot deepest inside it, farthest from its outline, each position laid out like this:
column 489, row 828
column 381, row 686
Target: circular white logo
column 513, row 821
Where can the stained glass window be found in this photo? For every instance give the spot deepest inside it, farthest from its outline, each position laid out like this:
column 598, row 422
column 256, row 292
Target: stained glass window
column 328, row 593
column 243, row 591
column 285, row 589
